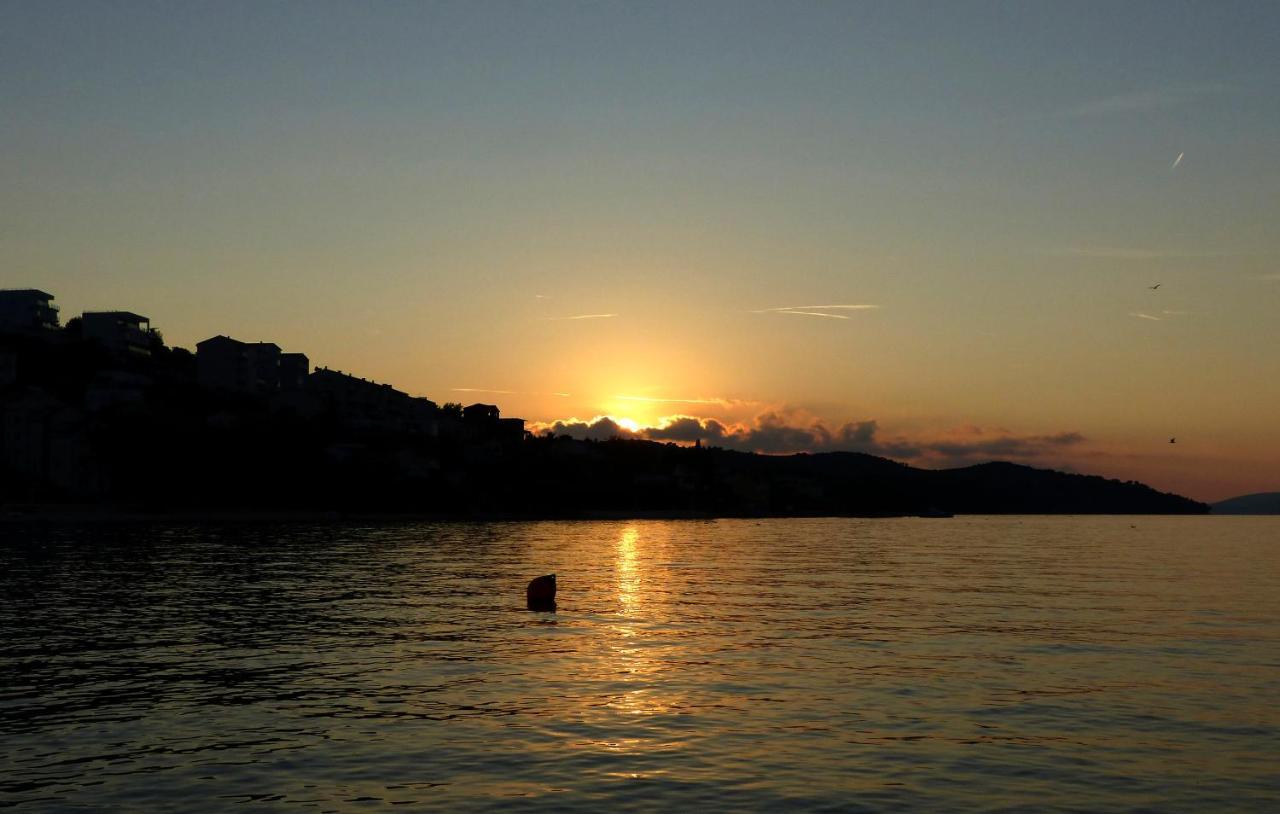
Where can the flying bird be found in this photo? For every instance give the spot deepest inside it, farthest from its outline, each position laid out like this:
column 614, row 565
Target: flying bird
column 1177, row 161
column 1173, row 440
column 1154, row 287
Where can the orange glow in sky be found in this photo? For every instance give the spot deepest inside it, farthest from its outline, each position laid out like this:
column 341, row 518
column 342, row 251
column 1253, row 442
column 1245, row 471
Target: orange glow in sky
column 1017, row 250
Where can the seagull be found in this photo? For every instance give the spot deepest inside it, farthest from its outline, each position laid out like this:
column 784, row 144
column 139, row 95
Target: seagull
column 1154, row 287
column 1173, row 440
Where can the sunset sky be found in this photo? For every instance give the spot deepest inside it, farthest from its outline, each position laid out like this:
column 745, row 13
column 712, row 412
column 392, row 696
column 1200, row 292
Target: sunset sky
column 927, row 231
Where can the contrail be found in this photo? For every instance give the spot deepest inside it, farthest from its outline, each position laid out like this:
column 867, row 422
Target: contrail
column 806, row 307
column 503, row 392
column 785, row 308
column 1177, row 161
column 809, row 313
column 670, row 401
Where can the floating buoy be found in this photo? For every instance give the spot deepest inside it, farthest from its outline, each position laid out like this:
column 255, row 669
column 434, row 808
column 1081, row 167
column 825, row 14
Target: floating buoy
column 541, row 593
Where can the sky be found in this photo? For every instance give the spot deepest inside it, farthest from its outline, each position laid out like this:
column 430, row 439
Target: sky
column 658, row 218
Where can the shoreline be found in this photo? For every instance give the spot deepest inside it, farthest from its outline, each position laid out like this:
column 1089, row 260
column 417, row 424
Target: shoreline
column 26, row 515
column 100, row 515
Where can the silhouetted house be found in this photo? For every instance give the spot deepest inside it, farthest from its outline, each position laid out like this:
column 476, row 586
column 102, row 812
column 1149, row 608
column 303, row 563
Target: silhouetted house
column 124, row 333
column 484, row 421
column 25, row 310
column 422, row 416
column 294, row 369
column 223, row 363
column 265, row 359
column 481, row 413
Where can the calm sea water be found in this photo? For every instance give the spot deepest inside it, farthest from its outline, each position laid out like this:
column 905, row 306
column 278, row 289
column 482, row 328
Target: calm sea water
column 846, row 665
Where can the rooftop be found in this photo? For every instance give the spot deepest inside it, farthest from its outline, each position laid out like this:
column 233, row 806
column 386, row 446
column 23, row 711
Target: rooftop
column 125, row 315
column 34, row 292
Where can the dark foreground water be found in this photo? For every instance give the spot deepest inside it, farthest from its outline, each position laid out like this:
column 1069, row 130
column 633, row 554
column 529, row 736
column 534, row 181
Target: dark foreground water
column 972, row 663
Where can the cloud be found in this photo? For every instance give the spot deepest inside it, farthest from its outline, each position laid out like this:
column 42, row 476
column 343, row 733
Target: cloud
column 583, row 316
column 1143, row 101
column 778, row 432
column 1116, row 253
column 856, row 307
column 600, row 428
column 1165, row 314
column 1008, row 446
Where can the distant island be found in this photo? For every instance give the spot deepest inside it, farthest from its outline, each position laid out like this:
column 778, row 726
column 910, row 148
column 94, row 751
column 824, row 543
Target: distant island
column 1261, row 503
column 101, row 413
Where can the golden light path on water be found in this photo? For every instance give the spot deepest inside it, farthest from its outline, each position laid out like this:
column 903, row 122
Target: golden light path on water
column 634, row 659
column 628, row 571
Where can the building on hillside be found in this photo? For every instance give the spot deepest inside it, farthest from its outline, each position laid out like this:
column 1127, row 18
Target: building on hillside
column 294, row 369
column 124, row 333
column 362, row 404
column 480, row 412
column 222, row 363
column 24, row 310
column 485, row 421
column 265, row 360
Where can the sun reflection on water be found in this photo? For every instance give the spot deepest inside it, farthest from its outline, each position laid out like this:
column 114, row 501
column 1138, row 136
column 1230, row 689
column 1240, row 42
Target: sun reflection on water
column 635, row 658
column 628, row 571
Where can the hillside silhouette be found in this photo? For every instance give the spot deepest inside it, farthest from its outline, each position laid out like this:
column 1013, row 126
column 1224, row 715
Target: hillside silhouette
column 244, row 427
column 1260, row 503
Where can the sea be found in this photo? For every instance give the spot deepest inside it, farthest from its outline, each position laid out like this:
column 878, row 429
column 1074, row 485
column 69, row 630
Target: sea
column 912, row 664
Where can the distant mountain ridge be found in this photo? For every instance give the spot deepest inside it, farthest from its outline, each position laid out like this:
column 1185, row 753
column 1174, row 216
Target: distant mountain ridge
column 861, row 484
column 1260, row 503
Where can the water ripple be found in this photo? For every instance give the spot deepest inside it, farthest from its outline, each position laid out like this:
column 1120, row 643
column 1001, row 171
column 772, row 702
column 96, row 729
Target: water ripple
column 825, row 665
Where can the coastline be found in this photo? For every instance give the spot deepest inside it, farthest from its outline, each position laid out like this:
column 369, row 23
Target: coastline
column 89, row 515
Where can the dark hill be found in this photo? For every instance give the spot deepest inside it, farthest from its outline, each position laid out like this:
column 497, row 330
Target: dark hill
column 623, row 476
column 997, row 488
column 1261, row 503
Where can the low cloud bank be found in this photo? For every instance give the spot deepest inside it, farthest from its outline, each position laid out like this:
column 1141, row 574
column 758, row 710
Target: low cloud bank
column 778, row 433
